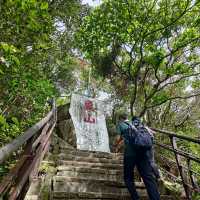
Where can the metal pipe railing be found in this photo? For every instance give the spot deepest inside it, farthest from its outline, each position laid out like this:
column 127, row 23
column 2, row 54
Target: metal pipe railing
column 191, row 185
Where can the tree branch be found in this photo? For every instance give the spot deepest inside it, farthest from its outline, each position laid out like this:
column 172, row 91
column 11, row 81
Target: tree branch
column 144, row 81
column 174, row 21
column 173, row 98
column 182, row 46
column 136, row 76
column 156, row 90
column 176, row 81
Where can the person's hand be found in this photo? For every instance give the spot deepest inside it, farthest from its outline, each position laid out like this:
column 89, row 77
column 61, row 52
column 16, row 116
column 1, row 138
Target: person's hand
column 118, row 144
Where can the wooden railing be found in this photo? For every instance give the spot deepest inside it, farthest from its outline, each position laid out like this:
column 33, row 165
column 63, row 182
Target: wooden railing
column 35, row 143
column 187, row 174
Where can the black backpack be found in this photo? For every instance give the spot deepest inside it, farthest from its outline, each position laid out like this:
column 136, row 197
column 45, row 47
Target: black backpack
column 139, row 137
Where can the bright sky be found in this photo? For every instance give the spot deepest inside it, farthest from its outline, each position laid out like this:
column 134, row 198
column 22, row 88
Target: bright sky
column 92, row 2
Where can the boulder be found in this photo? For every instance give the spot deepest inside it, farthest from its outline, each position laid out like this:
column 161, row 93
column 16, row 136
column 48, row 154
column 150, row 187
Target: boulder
column 63, row 112
column 66, row 131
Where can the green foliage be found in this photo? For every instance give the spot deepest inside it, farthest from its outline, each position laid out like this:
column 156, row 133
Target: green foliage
column 35, row 57
column 156, row 58
column 60, row 101
column 196, row 196
column 196, row 84
column 160, row 97
column 173, row 188
column 3, row 170
column 156, row 44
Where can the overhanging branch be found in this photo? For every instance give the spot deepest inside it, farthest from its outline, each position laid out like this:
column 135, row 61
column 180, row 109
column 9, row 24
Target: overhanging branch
column 176, row 81
column 174, row 98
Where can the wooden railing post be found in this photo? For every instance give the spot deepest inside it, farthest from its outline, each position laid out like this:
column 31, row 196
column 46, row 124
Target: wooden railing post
column 180, row 168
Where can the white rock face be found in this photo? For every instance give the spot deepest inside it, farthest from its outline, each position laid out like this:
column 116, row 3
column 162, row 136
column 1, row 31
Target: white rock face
column 90, row 125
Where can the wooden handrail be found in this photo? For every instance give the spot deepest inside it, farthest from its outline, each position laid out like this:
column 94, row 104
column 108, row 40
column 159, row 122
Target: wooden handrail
column 37, row 141
column 11, row 147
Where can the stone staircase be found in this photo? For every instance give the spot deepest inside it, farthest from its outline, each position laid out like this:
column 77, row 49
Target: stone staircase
column 88, row 176
column 92, row 175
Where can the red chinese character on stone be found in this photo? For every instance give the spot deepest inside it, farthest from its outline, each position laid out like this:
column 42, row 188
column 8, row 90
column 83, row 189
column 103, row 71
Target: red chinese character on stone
column 88, row 105
column 89, row 110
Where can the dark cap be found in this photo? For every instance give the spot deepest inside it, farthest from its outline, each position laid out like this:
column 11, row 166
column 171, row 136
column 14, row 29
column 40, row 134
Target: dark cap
column 135, row 118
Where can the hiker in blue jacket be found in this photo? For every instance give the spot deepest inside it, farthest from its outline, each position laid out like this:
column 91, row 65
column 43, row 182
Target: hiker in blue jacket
column 135, row 157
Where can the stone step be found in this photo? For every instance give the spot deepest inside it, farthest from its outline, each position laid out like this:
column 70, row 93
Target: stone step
column 64, row 156
column 93, row 170
column 93, row 176
column 86, row 169
column 99, row 196
column 92, row 154
column 75, row 184
column 91, row 173
column 100, row 180
column 31, row 197
column 90, row 165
